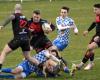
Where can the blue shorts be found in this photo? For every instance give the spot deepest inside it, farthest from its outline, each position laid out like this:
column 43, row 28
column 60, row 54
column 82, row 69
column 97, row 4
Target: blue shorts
column 25, row 67
column 59, row 45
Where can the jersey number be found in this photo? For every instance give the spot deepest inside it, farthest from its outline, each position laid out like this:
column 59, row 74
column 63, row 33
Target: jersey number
column 23, row 23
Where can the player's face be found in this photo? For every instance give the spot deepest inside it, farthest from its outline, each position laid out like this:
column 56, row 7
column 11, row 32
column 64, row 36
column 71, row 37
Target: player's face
column 50, row 64
column 63, row 13
column 97, row 11
column 36, row 17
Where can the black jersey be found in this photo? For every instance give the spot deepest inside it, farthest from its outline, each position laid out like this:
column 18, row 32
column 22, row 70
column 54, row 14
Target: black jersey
column 96, row 24
column 19, row 25
column 39, row 40
column 36, row 27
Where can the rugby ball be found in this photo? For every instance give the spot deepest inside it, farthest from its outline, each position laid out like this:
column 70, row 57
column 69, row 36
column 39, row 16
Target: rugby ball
column 46, row 27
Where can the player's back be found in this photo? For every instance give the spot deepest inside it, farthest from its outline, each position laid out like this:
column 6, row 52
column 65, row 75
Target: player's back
column 19, row 25
column 41, row 56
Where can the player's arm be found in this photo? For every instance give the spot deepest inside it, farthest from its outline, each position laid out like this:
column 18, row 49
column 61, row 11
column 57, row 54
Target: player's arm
column 60, row 26
column 89, row 29
column 11, row 17
column 48, row 55
column 75, row 28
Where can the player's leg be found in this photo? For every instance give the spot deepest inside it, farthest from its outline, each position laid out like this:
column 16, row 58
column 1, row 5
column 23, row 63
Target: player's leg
column 22, row 70
column 89, row 54
column 26, row 52
column 3, row 54
column 30, row 58
column 96, row 44
column 13, row 73
column 12, row 45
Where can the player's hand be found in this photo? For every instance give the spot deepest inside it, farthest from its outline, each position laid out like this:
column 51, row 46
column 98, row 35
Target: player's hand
column 48, row 31
column 85, row 33
column 1, row 27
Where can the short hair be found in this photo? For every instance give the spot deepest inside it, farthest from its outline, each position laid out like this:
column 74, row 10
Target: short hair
column 97, row 5
column 65, row 8
column 36, row 12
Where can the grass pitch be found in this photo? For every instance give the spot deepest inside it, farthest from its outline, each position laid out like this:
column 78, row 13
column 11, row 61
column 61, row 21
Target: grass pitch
column 80, row 10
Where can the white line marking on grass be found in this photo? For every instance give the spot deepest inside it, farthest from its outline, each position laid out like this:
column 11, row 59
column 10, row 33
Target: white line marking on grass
column 98, row 58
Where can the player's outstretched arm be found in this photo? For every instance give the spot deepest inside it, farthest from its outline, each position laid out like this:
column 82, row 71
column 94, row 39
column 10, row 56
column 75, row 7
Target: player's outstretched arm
column 49, row 55
column 89, row 29
column 11, row 17
column 75, row 29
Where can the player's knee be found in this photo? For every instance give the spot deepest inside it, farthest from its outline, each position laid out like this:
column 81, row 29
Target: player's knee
column 97, row 39
column 16, row 71
column 90, row 47
column 6, row 49
column 19, row 76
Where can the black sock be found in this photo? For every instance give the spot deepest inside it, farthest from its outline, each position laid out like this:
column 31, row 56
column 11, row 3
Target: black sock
column 86, row 57
column 85, row 60
column 64, row 61
column 92, row 57
column 0, row 66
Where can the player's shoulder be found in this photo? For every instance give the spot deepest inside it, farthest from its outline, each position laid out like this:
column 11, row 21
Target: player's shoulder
column 43, row 20
column 69, row 19
column 59, row 17
column 30, row 20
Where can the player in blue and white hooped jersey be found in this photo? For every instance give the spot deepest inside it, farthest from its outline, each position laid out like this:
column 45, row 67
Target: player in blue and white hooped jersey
column 64, row 23
column 25, row 68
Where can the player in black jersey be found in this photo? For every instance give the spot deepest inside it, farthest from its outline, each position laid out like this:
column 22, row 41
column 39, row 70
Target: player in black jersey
column 39, row 40
column 95, row 41
column 21, row 35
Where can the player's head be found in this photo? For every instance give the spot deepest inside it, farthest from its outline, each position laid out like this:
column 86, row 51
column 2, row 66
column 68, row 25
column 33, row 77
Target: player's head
column 97, row 9
column 18, row 7
column 64, row 11
column 52, row 67
column 36, row 15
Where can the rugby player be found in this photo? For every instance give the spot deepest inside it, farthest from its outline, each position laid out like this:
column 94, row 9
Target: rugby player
column 39, row 41
column 25, row 68
column 95, row 41
column 21, row 35
column 64, row 23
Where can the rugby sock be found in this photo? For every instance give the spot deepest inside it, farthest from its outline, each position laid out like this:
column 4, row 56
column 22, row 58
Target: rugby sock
column 92, row 57
column 86, row 57
column 0, row 66
column 6, row 70
column 66, row 70
column 64, row 61
column 8, row 76
column 84, row 60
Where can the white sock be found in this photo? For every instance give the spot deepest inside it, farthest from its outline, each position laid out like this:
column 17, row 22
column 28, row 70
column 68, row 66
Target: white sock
column 81, row 64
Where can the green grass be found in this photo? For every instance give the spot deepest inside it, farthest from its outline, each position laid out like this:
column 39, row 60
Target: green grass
column 80, row 11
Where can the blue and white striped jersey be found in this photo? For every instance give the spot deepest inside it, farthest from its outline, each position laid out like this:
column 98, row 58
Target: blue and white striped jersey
column 63, row 35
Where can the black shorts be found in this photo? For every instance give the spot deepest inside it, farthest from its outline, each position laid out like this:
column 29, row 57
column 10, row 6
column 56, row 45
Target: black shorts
column 24, row 43
column 92, row 40
column 40, row 43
